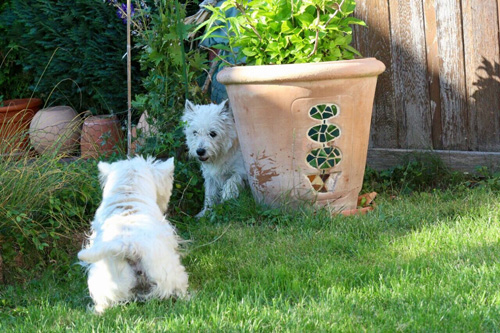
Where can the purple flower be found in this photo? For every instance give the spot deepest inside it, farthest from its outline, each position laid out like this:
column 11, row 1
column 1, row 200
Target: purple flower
column 122, row 12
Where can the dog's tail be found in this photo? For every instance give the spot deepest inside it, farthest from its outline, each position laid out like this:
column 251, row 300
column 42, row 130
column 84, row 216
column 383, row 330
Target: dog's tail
column 96, row 252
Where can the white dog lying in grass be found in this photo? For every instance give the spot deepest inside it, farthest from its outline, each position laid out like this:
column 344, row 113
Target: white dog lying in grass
column 211, row 137
column 132, row 251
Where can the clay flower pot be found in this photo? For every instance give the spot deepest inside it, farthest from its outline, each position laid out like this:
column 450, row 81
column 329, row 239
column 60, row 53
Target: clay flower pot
column 101, row 135
column 15, row 118
column 55, row 129
column 304, row 128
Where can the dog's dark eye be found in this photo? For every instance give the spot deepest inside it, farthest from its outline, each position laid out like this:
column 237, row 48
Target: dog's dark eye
column 213, row 134
column 195, row 133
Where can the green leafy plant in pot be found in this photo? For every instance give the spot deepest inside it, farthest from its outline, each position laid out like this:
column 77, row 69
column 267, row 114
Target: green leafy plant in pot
column 303, row 103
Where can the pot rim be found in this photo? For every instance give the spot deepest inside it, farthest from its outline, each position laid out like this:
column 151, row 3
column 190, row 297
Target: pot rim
column 356, row 68
column 57, row 108
column 101, row 119
column 14, row 105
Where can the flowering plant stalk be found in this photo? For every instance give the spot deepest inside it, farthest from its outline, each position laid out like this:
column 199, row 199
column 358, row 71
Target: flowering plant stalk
column 140, row 14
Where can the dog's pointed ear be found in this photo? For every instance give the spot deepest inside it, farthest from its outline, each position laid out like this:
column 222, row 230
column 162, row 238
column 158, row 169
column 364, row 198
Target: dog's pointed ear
column 167, row 167
column 104, row 171
column 189, row 106
column 225, row 107
column 104, row 168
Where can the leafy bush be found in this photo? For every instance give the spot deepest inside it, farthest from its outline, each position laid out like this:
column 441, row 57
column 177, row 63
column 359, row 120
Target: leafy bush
column 45, row 205
column 173, row 74
column 74, row 49
column 284, row 31
column 14, row 82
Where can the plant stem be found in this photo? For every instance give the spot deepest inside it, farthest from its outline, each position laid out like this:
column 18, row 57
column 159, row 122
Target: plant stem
column 137, row 26
column 316, row 40
column 242, row 10
column 129, row 84
column 181, row 43
column 4, row 58
column 217, row 55
column 206, row 85
column 335, row 14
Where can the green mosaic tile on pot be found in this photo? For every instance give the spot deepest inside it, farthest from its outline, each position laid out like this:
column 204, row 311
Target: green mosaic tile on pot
column 324, row 158
column 323, row 111
column 324, row 133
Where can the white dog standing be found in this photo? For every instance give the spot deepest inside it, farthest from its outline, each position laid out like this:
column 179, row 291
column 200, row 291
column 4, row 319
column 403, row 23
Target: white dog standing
column 211, row 137
column 132, row 251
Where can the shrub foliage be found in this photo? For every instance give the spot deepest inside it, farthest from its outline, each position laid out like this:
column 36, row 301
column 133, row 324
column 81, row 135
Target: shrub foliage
column 284, row 31
column 14, row 82
column 173, row 74
column 74, row 49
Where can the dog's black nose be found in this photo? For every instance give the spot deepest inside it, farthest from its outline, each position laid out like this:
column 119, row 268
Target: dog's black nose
column 200, row 151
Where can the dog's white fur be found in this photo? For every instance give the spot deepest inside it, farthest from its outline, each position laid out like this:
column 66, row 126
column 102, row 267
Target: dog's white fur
column 212, row 139
column 132, row 250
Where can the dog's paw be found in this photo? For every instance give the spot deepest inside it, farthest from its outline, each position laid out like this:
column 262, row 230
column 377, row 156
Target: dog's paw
column 181, row 295
column 97, row 309
column 230, row 191
column 202, row 213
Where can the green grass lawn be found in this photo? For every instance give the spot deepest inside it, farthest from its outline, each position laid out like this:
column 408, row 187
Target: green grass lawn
column 422, row 262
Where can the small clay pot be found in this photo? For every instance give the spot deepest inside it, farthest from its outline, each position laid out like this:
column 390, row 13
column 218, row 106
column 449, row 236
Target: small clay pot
column 55, row 129
column 101, row 135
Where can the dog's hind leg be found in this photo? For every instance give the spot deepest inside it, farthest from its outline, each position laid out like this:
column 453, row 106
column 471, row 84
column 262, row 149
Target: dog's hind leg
column 231, row 188
column 110, row 282
column 164, row 269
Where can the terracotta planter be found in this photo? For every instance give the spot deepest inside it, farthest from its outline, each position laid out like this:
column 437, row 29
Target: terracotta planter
column 304, row 128
column 15, row 118
column 55, row 129
column 101, row 135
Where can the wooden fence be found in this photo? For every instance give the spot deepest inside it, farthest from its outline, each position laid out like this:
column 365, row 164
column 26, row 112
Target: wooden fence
column 441, row 89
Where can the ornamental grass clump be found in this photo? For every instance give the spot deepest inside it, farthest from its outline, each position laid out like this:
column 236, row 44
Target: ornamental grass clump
column 284, row 31
column 45, row 204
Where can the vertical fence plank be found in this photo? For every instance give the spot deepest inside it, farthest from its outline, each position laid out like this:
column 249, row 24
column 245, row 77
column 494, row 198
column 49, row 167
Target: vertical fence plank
column 452, row 78
column 432, row 48
column 375, row 41
column 441, row 89
column 410, row 66
column 482, row 64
